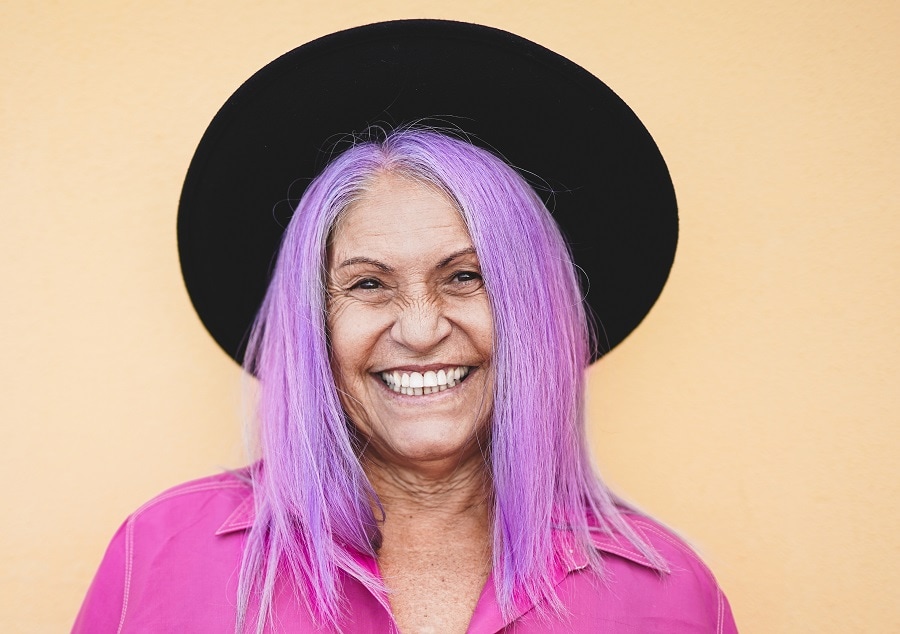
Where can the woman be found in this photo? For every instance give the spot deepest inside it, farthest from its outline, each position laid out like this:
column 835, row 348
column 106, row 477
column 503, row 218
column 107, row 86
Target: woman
column 420, row 352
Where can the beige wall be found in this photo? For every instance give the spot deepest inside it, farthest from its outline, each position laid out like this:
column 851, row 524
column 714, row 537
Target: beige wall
column 756, row 409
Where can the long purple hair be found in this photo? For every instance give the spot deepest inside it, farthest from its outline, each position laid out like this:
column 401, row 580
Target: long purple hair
column 312, row 497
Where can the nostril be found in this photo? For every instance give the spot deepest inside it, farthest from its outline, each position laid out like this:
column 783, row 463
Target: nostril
column 421, row 328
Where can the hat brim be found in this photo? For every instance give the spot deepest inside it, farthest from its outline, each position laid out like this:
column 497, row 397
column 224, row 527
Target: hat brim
column 582, row 147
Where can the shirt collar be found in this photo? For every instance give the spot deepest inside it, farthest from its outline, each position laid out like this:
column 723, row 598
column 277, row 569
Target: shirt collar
column 241, row 517
column 569, row 558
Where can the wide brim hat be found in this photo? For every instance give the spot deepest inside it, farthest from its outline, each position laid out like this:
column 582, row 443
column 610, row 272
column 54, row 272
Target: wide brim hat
column 582, row 148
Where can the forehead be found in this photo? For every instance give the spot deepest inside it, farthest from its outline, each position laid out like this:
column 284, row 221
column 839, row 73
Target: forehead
column 399, row 217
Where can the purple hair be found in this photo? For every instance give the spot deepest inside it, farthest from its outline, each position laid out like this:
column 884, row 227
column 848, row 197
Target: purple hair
column 312, row 495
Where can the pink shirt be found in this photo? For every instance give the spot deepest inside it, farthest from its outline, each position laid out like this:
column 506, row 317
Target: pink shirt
column 173, row 565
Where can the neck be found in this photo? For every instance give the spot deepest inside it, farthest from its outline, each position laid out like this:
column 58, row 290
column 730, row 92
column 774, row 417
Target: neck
column 435, row 553
column 459, row 490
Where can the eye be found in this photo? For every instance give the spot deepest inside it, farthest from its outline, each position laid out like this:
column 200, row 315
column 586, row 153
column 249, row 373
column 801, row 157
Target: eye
column 466, row 278
column 367, row 284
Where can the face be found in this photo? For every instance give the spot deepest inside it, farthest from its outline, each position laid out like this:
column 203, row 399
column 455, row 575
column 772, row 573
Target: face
column 410, row 324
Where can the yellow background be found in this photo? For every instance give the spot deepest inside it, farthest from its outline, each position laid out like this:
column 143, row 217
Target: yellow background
column 755, row 410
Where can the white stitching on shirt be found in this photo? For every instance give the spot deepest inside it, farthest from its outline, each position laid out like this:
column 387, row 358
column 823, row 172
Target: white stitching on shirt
column 191, row 489
column 721, row 616
column 129, row 559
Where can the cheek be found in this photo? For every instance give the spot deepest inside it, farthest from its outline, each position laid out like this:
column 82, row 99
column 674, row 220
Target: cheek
column 478, row 323
column 353, row 332
column 345, row 357
column 337, row 338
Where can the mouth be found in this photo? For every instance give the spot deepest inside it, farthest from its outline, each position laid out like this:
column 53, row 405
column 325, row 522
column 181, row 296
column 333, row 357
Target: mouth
column 421, row 383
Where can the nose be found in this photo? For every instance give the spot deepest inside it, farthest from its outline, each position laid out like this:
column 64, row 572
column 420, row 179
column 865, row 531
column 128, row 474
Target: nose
column 420, row 326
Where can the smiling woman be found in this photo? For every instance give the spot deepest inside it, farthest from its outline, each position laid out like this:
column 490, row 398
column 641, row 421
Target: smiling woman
column 421, row 351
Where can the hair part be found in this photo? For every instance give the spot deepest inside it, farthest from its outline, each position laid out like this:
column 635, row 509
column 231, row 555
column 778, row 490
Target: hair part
column 313, row 500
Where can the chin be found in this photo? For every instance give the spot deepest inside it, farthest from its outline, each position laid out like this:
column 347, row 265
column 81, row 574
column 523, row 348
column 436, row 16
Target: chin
column 424, row 448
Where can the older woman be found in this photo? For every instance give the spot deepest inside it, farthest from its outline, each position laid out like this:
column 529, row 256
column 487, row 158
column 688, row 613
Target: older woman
column 420, row 352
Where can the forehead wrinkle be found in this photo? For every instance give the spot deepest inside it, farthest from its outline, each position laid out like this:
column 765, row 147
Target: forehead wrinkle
column 370, row 238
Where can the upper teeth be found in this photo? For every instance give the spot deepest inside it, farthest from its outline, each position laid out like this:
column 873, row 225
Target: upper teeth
column 418, row 383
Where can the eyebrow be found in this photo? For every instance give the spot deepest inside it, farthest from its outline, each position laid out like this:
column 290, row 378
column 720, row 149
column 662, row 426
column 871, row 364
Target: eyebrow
column 456, row 254
column 389, row 269
column 364, row 260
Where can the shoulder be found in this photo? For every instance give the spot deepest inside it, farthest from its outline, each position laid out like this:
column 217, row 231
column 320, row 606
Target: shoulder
column 673, row 549
column 203, row 503
column 179, row 550
column 685, row 589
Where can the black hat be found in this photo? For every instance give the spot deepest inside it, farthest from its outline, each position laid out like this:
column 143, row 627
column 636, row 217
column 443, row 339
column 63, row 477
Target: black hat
column 582, row 147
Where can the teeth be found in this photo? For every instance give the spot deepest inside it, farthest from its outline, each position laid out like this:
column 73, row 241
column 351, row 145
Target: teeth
column 417, row 384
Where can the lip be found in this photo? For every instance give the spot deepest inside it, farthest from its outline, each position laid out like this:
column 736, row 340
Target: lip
column 433, row 367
